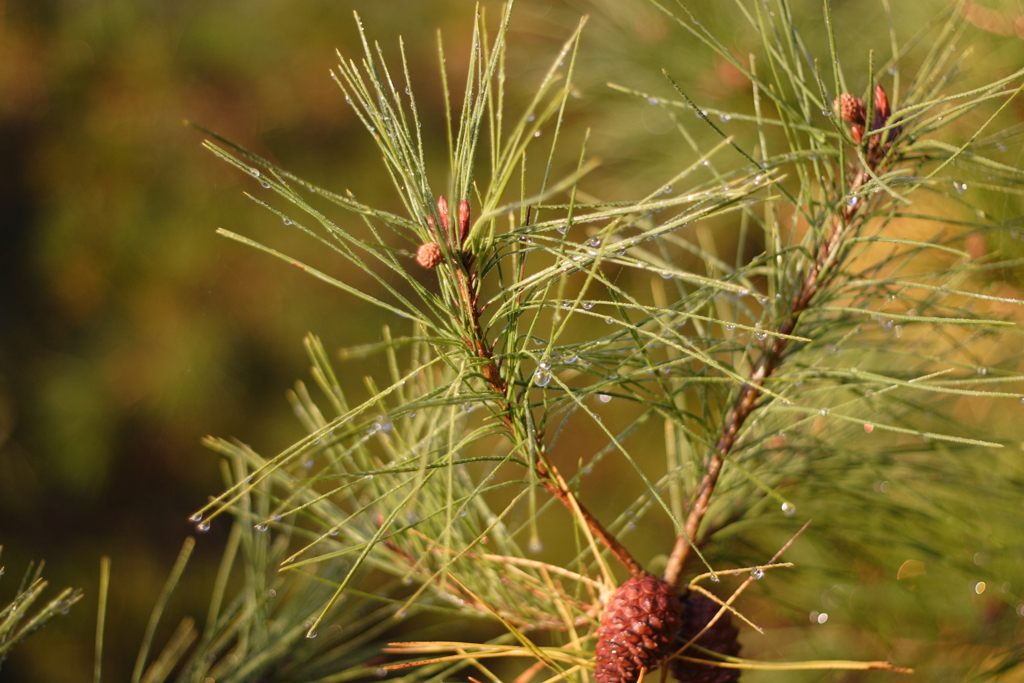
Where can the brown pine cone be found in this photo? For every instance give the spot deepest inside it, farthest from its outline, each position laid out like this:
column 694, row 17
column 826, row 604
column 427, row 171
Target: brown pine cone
column 698, row 610
column 638, row 628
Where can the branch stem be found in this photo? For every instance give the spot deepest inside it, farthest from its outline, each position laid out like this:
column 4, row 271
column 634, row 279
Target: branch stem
column 827, row 259
column 547, row 473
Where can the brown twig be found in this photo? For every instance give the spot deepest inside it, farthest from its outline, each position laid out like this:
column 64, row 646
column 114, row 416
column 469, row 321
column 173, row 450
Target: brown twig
column 547, row 473
column 825, row 265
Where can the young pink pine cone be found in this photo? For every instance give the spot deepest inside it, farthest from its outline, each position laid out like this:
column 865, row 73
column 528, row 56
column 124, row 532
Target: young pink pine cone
column 428, row 255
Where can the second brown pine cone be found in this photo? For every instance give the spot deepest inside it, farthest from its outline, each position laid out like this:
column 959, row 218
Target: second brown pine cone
column 720, row 638
column 638, row 629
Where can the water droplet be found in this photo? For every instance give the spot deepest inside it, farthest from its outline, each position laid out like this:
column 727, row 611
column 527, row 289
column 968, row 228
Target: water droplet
column 537, row 134
column 203, row 526
column 544, row 363
column 610, row 320
column 382, row 672
column 705, row 163
column 198, row 517
column 467, row 407
column 383, row 424
column 823, row 412
column 982, row 371
column 665, row 275
column 868, row 427
column 788, row 509
column 980, row 558
column 265, row 184
column 959, row 187
column 531, row 118
column 286, row 221
column 562, row 228
column 569, row 357
column 761, row 336
column 652, row 100
column 587, row 305
column 262, row 526
column 541, row 378
column 311, row 633
column 308, row 464
column 762, row 300
column 852, row 201
column 757, row 573
column 272, row 593
column 254, row 172
column 594, row 242
column 822, row 618
column 526, row 239
column 536, row 546
column 724, row 118
column 604, row 398
column 714, row 578
column 730, row 328
column 1022, row 400
column 826, row 112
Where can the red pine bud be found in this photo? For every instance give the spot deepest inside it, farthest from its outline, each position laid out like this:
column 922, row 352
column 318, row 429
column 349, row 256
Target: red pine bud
column 881, row 103
column 463, row 220
column 442, row 210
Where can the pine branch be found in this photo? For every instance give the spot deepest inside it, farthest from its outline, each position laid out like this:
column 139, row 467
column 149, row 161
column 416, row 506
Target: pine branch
column 829, row 259
column 741, row 374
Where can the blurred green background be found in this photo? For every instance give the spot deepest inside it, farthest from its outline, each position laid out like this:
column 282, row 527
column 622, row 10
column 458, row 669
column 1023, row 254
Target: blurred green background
column 128, row 330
